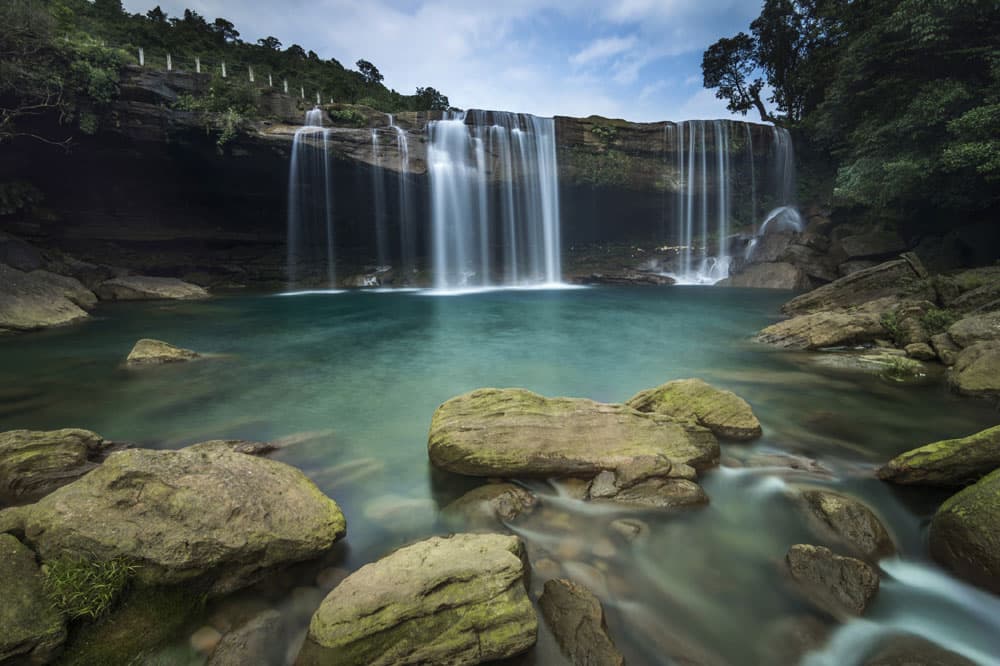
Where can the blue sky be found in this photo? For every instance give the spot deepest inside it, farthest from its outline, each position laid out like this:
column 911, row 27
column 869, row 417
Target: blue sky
column 633, row 59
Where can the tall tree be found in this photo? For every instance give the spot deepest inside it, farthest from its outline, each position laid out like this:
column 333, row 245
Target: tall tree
column 369, row 72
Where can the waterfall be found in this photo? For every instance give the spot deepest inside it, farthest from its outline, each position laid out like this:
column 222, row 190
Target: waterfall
column 494, row 200
column 378, row 188
column 706, row 193
column 310, row 203
column 407, row 230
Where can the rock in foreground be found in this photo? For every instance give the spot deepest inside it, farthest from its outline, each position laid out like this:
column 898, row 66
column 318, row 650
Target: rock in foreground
column 156, row 352
column 514, row 432
column 141, row 287
column 30, row 301
column 965, row 533
column 977, row 371
column 576, row 619
column 723, row 412
column 951, row 462
column 210, row 516
column 848, row 521
column 33, row 463
column 32, row 629
column 842, row 586
column 456, row 600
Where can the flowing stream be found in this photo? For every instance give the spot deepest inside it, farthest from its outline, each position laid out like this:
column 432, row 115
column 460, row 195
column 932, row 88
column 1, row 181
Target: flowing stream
column 349, row 382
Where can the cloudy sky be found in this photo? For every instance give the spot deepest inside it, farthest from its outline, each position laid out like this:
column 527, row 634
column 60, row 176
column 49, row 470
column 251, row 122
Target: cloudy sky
column 633, row 59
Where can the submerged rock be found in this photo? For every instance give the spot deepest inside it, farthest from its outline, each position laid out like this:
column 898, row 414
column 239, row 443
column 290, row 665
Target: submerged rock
column 951, row 462
column 255, row 642
column 628, row 278
column 155, row 352
column 486, row 507
column 841, row 586
column 32, row 629
column 514, row 432
column 576, row 619
column 785, row 641
column 454, row 600
column 723, row 412
column 33, row 463
column 142, row 287
column 977, row 371
column 909, row 650
column 211, row 517
column 965, row 533
column 848, row 521
column 39, row 299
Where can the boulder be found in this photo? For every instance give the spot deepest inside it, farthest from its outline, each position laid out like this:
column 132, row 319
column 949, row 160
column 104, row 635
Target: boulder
column 897, row 279
column 965, row 533
column 879, row 243
column 207, row 517
column 909, row 650
column 141, row 287
column 517, row 433
column 951, row 462
column 785, row 641
column 155, row 352
column 256, row 642
column 723, row 412
column 772, row 275
column 452, row 600
column 33, row 463
column 909, row 323
column 847, row 521
column 977, row 370
column 984, row 297
column 576, row 619
column 30, row 301
column 18, row 254
column 920, row 351
column 71, row 288
column 841, row 586
column 33, row 631
column 822, row 330
column 628, row 279
column 650, row 482
column 945, row 348
column 977, row 328
column 489, row 506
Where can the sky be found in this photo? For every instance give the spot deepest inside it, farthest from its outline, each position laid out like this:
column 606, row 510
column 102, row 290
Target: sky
column 633, row 59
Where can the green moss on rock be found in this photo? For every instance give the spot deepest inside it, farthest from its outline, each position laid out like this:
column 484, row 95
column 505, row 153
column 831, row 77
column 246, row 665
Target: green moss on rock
column 965, row 533
column 951, row 462
column 723, row 412
column 32, row 628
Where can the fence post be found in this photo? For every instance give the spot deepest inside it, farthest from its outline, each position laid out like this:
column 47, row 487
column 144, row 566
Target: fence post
column 285, row 85
column 197, row 64
column 142, row 58
column 302, row 92
column 170, row 63
column 318, row 102
column 223, row 69
column 270, row 81
column 250, row 69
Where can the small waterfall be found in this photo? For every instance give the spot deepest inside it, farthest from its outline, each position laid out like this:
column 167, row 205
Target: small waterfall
column 407, row 224
column 378, row 188
column 494, row 200
column 310, row 203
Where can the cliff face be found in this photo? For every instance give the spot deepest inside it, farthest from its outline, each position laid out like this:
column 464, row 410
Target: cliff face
column 155, row 192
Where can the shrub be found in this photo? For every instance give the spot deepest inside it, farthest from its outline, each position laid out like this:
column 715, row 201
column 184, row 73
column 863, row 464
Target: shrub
column 900, row 368
column 937, row 320
column 348, row 117
column 86, row 588
column 890, row 322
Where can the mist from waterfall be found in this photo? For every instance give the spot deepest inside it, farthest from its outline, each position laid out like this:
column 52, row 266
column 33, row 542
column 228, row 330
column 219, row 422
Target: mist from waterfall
column 494, row 200
column 310, row 202
column 706, row 159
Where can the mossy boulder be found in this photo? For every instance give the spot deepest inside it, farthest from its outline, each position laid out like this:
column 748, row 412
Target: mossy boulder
column 210, row 517
column 576, row 618
column 156, row 352
column 976, row 328
column 30, row 301
column 516, row 433
column 723, row 412
column 33, row 631
column 965, row 533
column 454, row 600
column 821, row 330
column 977, row 371
column 488, row 507
column 847, row 521
column 950, row 462
column 33, row 463
column 142, row 287
column 843, row 587
column 898, row 279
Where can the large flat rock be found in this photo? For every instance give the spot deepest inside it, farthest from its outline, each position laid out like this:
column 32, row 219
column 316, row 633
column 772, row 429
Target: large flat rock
column 455, row 600
column 517, row 433
column 822, row 330
column 209, row 516
column 141, row 287
column 898, row 278
column 950, row 462
column 30, row 301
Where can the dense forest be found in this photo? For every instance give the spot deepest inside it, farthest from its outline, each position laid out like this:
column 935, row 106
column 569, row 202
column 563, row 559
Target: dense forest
column 63, row 58
column 895, row 104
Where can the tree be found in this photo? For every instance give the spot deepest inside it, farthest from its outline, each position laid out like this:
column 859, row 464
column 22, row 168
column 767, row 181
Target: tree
column 430, row 99
column 157, row 15
column 226, row 30
column 729, row 66
column 369, row 72
column 269, row 43
column 296, row 52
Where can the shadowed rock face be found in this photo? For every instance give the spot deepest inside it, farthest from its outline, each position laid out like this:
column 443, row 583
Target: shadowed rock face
column 848, row 521
column 455, row 600
column 965, row 533
column 140, row 287
column 576, row 618
column 204, row 515
column 32, row 629
column 977, row 370
column 514, row 432
column 951, row 462
column 841, row 586
column 896, row 278
column 33, row 463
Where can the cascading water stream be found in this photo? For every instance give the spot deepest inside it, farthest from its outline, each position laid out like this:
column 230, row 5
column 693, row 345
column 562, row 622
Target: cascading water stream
column 494, row 200
column 310, row 203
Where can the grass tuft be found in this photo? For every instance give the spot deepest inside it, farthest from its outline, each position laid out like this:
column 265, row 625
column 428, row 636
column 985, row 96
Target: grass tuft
column 86, row 588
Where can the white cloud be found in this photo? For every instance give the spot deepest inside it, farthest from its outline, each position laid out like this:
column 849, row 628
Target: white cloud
column 602, row 49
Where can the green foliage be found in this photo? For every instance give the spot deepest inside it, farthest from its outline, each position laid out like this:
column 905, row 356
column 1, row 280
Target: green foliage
column 86, row 588
column 937, row 320
column 18, row 196
column 608, row 168
column 605, row 134
column 348, row 117
column 890, row 322
column 900, row 368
